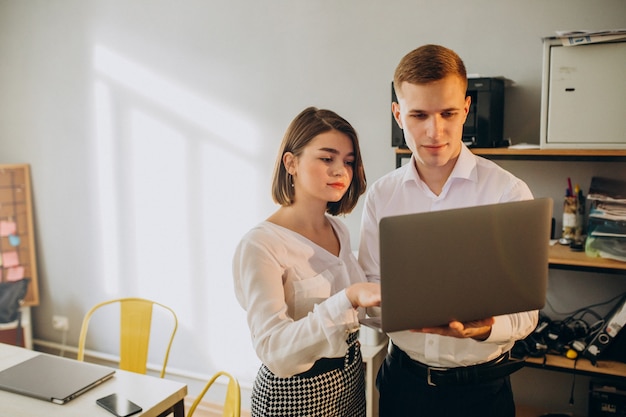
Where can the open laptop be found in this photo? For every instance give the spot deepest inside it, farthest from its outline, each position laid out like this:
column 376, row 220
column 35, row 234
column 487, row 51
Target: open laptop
column 463, row 264
column 53, row 378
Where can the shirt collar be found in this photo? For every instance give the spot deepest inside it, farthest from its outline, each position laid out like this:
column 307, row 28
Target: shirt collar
column 465, row 166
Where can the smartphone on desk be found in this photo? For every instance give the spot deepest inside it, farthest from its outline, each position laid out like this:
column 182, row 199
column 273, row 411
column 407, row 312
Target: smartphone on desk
column 118, row 405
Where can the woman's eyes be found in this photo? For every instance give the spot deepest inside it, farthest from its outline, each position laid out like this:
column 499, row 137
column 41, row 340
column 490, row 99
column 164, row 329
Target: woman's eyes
column 330, row 159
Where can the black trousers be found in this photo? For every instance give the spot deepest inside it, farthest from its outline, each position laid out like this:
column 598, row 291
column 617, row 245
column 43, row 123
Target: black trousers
column 404, row 394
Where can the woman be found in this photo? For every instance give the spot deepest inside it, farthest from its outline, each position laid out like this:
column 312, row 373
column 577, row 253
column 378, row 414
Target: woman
column 298, row 280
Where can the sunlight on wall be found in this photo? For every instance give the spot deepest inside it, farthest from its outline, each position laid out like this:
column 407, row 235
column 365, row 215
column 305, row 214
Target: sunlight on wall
column 213, row 117
column 106, row 186
column 158, row 201
column 173, row 186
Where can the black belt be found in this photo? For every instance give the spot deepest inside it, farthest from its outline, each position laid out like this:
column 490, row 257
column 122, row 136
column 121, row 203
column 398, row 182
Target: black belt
column 463, row 375
column 324, row 365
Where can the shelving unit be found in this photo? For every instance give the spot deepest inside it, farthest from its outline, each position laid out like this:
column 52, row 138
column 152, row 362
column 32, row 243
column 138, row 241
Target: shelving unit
column 582, row 366
column 604, row 155
column 561, row 257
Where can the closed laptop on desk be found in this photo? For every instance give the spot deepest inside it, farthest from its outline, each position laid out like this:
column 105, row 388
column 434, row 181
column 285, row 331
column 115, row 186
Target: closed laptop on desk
column 463, row 264
column 53, row 378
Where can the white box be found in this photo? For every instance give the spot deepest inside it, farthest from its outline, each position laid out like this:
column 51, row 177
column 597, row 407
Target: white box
column 583, row 95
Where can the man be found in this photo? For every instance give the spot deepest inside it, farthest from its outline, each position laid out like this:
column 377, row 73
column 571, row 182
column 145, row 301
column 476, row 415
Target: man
column 461, row 369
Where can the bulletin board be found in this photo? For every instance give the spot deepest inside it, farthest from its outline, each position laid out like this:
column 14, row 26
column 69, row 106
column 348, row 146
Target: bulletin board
column 17, row 238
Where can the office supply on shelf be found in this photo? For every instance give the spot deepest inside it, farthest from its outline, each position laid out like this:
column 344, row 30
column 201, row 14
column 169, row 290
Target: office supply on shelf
column 607, row 219
column 524, row 146
column 573, row 213
column 53, row 378
column 614, row 323
column 432, row 262
column 578, row 84
column 606, row 399
column 157, row 396
column 583, row 37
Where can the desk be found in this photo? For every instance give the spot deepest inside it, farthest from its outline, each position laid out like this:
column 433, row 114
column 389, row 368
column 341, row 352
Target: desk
column 158, row 397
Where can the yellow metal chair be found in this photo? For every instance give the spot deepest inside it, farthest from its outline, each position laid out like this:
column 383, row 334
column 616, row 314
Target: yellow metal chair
column 135, row 325
column 232, row 400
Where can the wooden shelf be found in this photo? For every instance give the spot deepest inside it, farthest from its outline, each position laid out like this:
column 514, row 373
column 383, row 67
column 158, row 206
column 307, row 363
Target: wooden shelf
column 522, row 410
column 553, row 154
column 610, row 369
column 561, row 257
column 605, row 155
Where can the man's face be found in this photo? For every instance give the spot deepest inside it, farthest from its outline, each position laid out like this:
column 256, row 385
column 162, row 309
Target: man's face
column 432, row 117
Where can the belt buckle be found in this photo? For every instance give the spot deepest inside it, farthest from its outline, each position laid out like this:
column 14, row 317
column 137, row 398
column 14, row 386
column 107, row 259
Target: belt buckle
column 429, row 379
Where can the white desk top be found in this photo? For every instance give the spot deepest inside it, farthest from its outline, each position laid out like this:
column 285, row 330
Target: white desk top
column 154, row 395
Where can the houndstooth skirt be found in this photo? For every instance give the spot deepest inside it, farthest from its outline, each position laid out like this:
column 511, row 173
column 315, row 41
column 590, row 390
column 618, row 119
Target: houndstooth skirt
column 336, row 393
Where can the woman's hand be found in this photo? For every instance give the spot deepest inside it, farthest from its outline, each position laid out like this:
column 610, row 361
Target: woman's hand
column 364, row 294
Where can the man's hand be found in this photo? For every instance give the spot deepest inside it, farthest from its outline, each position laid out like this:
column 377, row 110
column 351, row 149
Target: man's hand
column 476, row 329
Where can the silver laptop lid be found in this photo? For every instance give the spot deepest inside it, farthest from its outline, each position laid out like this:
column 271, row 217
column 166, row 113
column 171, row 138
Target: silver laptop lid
column 464, row 264
column 53, row 378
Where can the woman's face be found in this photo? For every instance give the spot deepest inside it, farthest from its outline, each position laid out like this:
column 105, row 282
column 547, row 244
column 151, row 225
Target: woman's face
column 324, row 169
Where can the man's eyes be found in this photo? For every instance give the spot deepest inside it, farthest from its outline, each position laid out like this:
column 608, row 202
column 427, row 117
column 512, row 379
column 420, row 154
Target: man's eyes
column 423, row 116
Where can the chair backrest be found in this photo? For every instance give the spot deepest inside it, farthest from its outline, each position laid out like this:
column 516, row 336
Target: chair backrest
column 135, row 325
column 232, row 400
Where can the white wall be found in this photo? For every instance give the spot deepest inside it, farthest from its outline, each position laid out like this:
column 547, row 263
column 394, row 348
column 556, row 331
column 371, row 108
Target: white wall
column 151, row 129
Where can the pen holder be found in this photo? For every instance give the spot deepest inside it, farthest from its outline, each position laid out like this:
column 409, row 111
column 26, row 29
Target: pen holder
column 572, row 218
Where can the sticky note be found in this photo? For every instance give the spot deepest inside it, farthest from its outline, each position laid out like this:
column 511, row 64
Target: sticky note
column 7, row 228
column 14, row 274
column 10, row 259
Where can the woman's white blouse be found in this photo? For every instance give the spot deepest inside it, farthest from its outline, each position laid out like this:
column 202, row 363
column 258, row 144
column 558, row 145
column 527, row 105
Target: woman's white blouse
column 294, row 294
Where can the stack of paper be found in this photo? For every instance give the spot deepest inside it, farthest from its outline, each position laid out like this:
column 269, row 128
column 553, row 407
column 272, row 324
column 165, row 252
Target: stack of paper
column 582, row 37
column 606, row 232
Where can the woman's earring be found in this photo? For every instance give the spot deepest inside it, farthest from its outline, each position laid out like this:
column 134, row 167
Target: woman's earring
column 290, row 179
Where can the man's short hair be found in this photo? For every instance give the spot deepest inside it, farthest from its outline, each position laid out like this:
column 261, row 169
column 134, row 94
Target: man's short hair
column 428, row 63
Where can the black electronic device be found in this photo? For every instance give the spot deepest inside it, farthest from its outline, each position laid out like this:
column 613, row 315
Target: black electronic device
column 397, row 134
column 117, row 405
column 617, row 350
column 485, row 120
column 484, row 125
column 606, row 400
column 614, row 323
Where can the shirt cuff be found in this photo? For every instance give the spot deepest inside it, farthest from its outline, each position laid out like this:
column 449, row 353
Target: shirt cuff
column 350, row 315
column 501, row 330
